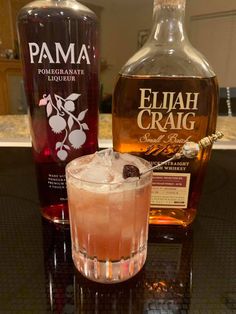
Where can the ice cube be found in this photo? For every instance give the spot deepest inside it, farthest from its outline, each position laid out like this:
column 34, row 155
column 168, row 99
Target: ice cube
column 105, row 156
column 98, row 174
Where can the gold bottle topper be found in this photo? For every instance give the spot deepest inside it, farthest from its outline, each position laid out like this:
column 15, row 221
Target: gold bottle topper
column 209, row 140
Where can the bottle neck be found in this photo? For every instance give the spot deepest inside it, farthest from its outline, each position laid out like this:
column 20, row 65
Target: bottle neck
column 168, row 22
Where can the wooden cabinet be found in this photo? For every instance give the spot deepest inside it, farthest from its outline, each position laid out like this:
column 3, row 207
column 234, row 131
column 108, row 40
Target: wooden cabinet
column 12, row 100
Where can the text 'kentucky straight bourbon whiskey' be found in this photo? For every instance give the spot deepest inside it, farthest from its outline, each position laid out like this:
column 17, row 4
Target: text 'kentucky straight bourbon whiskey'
column 166, row 95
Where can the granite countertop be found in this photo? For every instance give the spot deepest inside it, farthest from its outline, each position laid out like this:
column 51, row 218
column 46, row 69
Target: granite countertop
column 14, row 131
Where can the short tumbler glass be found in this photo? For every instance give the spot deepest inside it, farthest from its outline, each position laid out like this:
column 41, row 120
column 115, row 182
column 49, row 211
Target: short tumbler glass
column 108, row 224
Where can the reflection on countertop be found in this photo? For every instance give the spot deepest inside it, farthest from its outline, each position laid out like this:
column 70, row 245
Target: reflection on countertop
column 14, row 131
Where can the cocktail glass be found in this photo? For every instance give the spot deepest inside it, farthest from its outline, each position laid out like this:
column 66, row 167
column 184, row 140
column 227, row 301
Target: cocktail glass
column 108, row 215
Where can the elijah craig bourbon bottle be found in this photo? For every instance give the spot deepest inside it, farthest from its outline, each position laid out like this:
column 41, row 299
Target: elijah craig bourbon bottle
column 165, row 95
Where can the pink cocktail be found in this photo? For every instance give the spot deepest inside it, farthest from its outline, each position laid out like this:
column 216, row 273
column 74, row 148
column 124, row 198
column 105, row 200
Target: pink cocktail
column 108, row 215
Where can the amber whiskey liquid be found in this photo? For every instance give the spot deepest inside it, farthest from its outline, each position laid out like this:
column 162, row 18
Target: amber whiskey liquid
column 152, row 118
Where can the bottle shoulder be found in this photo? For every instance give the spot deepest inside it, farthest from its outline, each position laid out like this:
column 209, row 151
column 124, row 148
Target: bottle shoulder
column 182, row 60
column 46, row 9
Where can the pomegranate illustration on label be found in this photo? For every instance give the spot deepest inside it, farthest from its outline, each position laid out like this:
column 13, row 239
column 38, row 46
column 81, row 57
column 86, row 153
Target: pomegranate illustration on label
column 61, row 119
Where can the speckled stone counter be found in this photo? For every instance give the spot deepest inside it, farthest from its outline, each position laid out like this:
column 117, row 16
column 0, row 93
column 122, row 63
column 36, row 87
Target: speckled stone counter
column 14, row 131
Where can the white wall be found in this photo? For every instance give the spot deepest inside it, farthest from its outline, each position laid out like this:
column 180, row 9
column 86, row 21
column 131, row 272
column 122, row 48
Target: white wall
column 208, row 6
column 213, row 35
column 212, row 30
column 120, row 22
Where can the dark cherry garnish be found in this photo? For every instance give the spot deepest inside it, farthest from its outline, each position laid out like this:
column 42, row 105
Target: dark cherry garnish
column 130, row 171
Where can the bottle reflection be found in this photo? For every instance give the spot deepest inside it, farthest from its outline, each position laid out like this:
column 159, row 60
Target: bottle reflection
column 163, row 285
column 168, row 271
column 59, row 269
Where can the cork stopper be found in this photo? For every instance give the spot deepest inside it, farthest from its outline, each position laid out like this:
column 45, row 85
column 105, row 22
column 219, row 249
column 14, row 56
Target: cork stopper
column 169, row 2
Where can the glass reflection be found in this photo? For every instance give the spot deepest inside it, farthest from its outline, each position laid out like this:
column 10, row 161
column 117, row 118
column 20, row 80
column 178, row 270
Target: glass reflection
column 122, row 298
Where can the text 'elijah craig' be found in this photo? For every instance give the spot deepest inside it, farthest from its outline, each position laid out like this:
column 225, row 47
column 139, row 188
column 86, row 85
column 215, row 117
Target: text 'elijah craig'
column 150, row 101
column 164, row 96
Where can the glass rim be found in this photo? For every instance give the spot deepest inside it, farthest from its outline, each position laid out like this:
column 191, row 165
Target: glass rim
column 134, row 180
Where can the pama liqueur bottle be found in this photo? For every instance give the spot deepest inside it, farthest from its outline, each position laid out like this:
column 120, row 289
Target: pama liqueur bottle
column 165, row 95
column 59, row 50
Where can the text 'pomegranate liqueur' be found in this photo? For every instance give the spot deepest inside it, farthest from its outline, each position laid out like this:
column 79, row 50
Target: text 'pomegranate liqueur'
column 59, row 49
column 166, row 95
